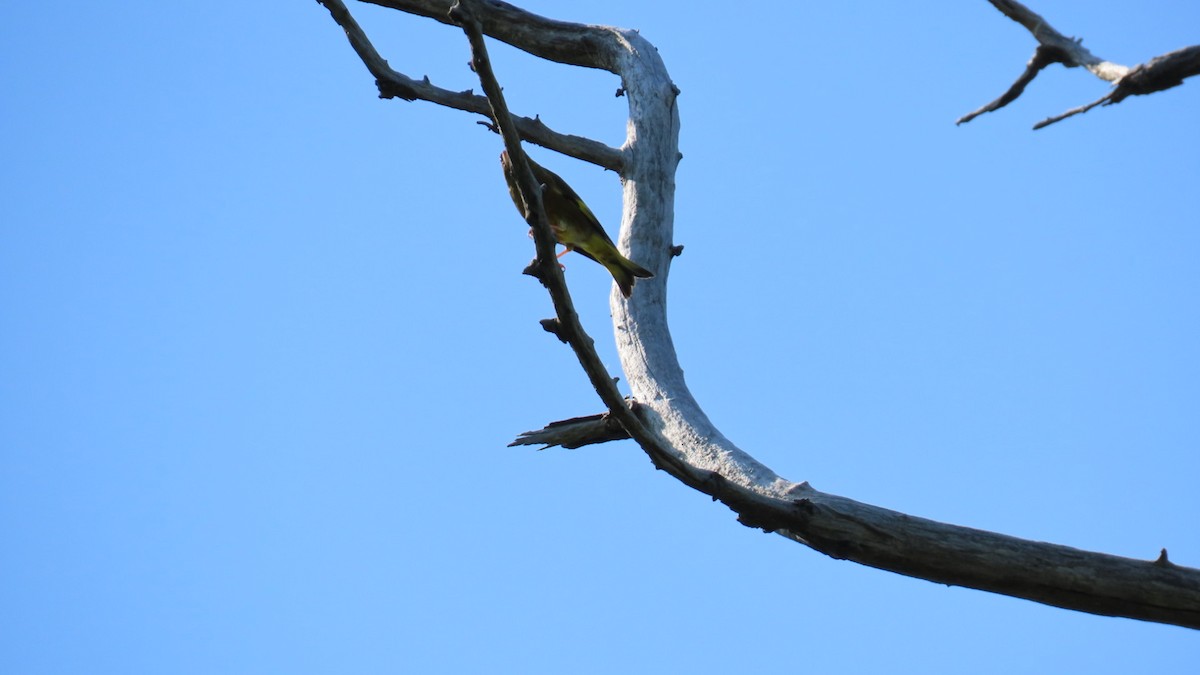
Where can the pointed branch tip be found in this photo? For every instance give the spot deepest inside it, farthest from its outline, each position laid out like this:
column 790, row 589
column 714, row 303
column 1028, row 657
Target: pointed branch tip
column 1162, row 560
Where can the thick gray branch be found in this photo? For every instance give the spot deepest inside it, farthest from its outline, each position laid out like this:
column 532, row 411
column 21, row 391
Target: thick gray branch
column 678, row 436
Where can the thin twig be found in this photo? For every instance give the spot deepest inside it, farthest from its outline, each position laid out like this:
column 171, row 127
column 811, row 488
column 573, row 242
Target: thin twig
column 393, row 84
column 1043, row 56
column 1103, row 100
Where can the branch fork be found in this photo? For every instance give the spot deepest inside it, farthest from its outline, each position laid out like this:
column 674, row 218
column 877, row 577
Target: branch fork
column 1157, row 74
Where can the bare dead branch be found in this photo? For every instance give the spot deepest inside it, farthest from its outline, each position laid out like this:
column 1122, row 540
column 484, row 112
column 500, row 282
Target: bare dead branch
column 673, row 430
column 569, row 327
column 575, row 432
column 1103, row 100
column 1043, row 56
column 393, row 84
column 544, row 267
column 1073, row 50
column 574, row 44
column 1157, row 74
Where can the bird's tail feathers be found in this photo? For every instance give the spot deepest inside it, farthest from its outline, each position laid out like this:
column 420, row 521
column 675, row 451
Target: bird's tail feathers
column 626, row 272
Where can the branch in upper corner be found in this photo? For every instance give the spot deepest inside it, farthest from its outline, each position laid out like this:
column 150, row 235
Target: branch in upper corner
column 393, row 84
column 1045, row 34
column 1043, row 56
column 1162, row 72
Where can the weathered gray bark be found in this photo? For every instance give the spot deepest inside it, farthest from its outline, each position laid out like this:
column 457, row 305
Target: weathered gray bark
column 669, row 423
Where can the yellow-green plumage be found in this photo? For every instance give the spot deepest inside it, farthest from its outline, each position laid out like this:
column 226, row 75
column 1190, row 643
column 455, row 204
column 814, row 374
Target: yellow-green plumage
column 574, row 225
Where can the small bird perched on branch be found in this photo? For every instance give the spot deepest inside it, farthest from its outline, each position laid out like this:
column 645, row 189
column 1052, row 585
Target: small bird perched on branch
column 574, row 225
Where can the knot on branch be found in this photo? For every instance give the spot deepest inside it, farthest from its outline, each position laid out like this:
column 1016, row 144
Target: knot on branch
column 391, row 88
column 555, row 327
column 460, row 13
column 1044, row 55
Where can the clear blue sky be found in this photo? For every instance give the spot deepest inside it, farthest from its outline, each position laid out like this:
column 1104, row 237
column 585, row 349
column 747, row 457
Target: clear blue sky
column 264, row 338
